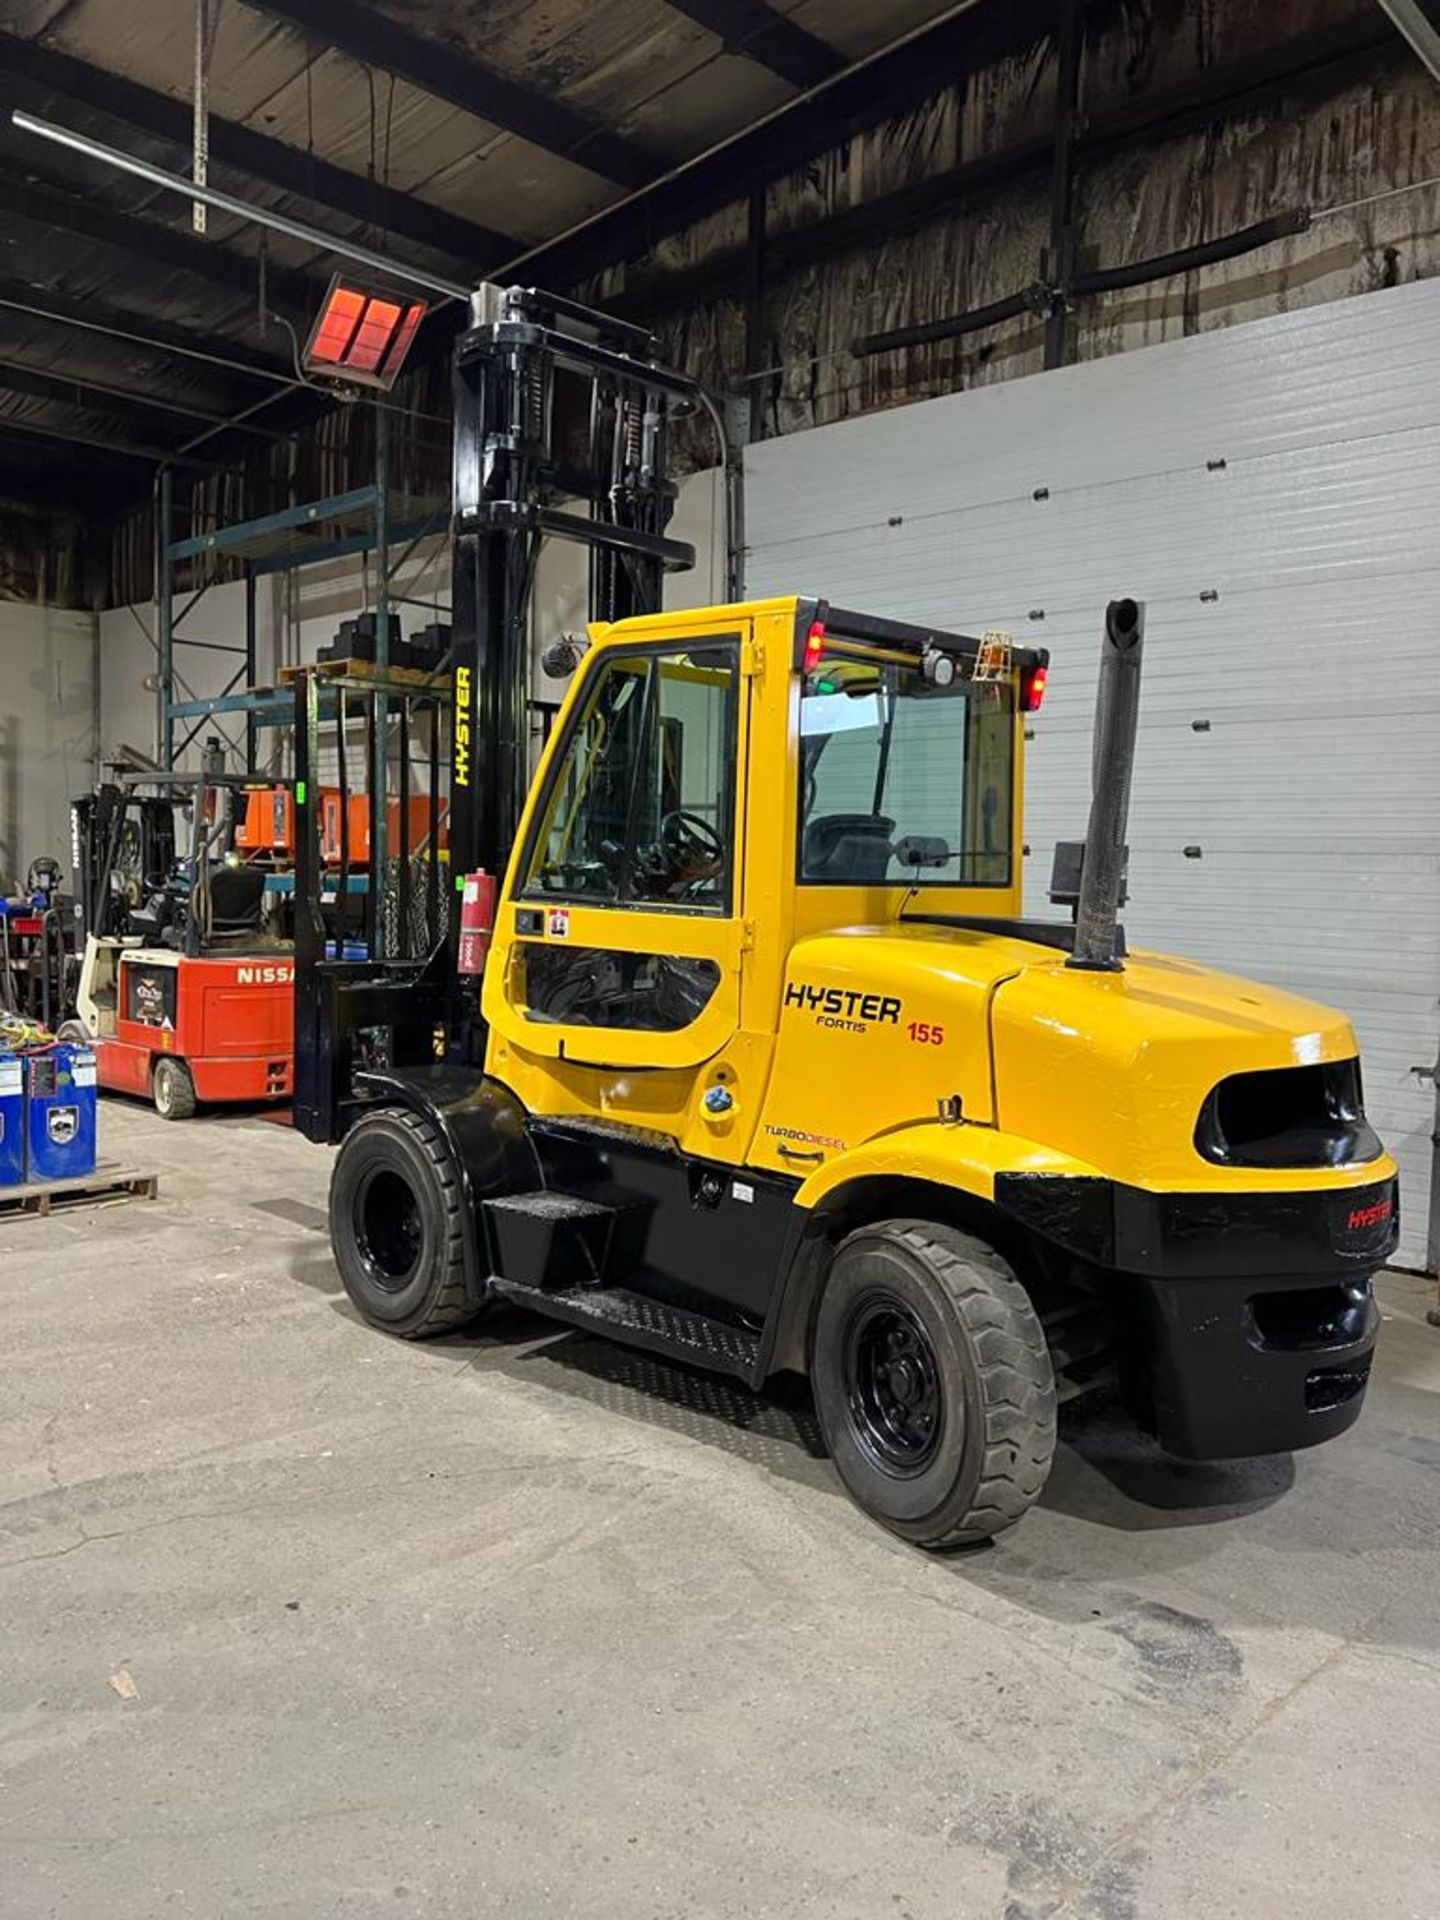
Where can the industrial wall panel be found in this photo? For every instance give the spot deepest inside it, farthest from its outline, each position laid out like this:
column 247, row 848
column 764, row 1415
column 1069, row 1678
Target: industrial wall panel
column 1272, row 491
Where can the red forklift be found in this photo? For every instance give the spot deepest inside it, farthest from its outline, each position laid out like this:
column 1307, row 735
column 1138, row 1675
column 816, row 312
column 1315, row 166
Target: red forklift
column 187, row 979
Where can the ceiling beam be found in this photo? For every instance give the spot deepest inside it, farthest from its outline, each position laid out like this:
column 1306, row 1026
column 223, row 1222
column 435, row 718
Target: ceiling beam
column 448, row 72
column 95, row 396
column 50, row 206
column 144, row 331
column 755, row 31
column 860, row 96
column 257, row 154
column 127, row 449
column 1419, row 21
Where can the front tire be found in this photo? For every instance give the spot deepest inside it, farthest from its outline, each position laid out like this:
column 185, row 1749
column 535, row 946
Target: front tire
column 172, row 1089
column 396, row 1225
column 933, row 1383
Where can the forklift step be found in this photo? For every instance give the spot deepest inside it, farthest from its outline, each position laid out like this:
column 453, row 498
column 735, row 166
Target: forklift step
column 642, row 1322
column 550, row 1240
column 546, row 1204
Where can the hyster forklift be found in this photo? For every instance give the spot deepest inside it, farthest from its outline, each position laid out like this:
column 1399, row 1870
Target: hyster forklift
column 756, row 1061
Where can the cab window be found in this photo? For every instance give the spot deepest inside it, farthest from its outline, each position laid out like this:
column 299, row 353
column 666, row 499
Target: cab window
column 641, row 806
column 903, row 783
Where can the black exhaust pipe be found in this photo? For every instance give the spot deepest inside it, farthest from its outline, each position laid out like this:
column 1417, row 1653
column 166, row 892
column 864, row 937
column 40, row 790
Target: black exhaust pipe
column 1117, row 714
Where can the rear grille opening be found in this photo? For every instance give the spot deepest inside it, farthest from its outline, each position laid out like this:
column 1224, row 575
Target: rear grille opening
column 1287, row 1117
column 1330, row 1387
column 1312, row 1317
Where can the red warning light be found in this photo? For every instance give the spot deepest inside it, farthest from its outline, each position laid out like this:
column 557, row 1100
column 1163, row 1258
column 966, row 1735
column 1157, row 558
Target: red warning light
column 363, row 334
column 1032, row 689
column 814, row 646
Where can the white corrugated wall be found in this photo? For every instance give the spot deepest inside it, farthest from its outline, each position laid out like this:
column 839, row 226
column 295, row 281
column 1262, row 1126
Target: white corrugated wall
column 1272, row 491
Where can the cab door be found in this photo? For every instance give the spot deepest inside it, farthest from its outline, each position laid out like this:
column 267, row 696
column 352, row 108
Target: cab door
column 619, row 939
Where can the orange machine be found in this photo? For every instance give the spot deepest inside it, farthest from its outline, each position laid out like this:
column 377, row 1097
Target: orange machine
column 359, row 809
column 268, row 822
column 267, row 825
column 179, row 1029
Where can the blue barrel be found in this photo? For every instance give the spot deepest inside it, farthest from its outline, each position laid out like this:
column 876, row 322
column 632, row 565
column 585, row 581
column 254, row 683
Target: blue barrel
column 60, row 1113
column 12, row 1120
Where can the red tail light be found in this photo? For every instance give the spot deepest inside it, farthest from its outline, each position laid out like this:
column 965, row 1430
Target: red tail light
column 814, row 646
column 1032, row 689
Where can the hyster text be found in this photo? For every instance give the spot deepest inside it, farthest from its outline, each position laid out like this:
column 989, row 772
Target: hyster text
column 845, row 1007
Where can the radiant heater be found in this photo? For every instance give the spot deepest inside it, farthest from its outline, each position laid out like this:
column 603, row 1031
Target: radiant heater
column 362, row 333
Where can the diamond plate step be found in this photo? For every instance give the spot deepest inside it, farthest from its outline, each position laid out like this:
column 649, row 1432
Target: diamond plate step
column 546, row 1204
column 550, row 1240
column 642, row 1322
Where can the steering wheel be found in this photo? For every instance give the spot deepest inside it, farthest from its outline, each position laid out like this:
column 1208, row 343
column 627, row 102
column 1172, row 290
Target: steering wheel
column 692, row 848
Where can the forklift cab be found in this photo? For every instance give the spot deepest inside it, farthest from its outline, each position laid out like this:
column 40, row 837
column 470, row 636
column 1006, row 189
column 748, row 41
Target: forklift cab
column 723, row 787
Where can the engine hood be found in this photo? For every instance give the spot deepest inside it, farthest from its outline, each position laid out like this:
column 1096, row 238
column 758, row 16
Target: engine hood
column 1115, row 1068
column 880, row 1026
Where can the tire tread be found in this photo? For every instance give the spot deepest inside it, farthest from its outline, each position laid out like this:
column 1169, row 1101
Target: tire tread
column 1017, row 1382
column 450, row 1305
column 182, row 1104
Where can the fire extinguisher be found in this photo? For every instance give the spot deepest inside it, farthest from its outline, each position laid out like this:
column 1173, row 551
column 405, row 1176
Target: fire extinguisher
column 477, row 921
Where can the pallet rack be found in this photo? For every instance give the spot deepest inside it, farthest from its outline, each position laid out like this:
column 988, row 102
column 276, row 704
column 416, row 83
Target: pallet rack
column 364, row 520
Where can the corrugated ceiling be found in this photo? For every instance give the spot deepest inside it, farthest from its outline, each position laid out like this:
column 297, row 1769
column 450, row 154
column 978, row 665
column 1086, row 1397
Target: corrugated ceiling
column 642, row 70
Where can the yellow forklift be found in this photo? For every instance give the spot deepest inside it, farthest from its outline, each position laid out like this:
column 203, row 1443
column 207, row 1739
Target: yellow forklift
column 758, row 1062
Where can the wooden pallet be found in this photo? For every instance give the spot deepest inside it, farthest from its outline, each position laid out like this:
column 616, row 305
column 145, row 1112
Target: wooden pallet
column 364, row 673
column 109, row 1181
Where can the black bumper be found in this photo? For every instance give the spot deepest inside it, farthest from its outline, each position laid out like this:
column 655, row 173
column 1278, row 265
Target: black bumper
column 1244, row 1323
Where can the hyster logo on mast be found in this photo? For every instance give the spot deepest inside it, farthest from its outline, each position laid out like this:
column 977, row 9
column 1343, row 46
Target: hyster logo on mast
column 462, row 726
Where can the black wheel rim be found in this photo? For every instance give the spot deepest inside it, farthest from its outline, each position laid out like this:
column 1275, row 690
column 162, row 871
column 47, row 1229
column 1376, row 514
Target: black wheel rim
column 388, row 1230
column 892, row 1381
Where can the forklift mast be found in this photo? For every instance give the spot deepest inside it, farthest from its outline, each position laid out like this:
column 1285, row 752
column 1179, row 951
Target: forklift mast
column 563, row 422
column 116, row 831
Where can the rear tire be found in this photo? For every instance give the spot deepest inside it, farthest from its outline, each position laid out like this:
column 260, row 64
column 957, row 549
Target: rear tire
column 933, row 1383
column 172, row 1089
column 397, row 1226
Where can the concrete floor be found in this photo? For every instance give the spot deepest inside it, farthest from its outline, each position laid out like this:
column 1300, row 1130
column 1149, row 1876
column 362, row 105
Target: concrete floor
column 298, row 1621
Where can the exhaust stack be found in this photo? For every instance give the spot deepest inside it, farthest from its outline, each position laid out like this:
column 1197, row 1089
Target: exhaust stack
column 1117, row 713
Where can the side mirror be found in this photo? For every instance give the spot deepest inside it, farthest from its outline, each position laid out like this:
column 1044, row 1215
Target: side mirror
column 922, row 850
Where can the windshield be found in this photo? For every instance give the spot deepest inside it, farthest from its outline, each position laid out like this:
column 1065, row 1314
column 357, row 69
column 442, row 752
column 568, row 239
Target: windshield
column 903, row 783
column 641, row 803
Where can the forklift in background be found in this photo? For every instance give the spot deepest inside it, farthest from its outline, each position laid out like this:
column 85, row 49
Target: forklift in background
column 187, row 973
column 742, row 1050
column 37, row 950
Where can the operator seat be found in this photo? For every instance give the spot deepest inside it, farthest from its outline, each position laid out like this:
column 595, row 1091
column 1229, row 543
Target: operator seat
column 847, row 849
column 236, row 898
